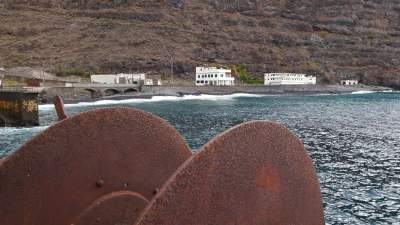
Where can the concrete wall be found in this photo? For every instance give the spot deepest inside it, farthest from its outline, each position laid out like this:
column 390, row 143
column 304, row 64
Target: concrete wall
column 175, row 90
column 68, row 93
column 19, row 109
column 84, row 92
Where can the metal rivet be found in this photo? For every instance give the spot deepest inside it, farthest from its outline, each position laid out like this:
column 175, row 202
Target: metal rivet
column 100, row 183
column 156, row 191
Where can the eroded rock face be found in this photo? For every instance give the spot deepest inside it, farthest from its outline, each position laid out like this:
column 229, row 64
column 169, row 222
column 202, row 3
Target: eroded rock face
column 333, row 39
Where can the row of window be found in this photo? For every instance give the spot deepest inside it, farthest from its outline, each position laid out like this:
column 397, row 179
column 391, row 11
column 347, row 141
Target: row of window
column 205, row 82
column 287, row 75
column 285, row 79
column 209, row 75
column 202, row 82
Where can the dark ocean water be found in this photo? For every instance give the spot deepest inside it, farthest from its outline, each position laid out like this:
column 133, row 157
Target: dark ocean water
column 354, row 140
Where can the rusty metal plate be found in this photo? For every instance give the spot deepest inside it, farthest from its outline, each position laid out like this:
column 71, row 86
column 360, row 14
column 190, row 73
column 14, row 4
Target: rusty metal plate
column 119, row 208
column 257, row 173
column 59, row 173
column 59, row 106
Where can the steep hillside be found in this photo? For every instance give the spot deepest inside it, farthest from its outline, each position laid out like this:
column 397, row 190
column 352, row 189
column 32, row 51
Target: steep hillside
column 330, row 38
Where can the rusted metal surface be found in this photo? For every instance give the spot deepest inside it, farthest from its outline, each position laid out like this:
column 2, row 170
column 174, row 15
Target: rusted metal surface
column 59, row 105
column 257, row 173
column 117, row 208
column 18, row 109
column 58, row 174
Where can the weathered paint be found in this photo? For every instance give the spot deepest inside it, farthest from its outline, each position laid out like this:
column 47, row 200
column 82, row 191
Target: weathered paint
column 104, row 166
column 19, row 108
column 59, row 105
column 257, row 173
column 119, row 208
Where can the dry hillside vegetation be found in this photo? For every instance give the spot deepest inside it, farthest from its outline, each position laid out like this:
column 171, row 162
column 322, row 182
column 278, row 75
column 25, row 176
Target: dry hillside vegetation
column 330, row 38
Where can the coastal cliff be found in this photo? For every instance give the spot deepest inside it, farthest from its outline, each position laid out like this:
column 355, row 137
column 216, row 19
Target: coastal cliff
column 332, row 39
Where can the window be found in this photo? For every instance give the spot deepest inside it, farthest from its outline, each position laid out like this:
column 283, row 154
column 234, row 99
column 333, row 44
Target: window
column 198, row 76
column 221, row 75
column 202, row 81
column 198, row 81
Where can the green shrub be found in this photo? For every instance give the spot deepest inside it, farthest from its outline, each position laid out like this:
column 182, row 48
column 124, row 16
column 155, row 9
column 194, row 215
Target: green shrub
column 266, row 23
column 240, row 71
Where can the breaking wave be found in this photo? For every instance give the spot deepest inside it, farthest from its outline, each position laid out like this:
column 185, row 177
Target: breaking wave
column 157, row 99
column 362, row 92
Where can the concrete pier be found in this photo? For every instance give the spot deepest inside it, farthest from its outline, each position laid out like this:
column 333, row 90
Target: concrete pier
column 19, row 108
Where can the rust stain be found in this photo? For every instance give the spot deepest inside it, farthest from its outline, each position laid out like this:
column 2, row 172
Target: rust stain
column 55, row 176
column 267, row 177
column 10, row 105
column 59, row 105
column 30, row 105
column 232, row 181
column 121, row 158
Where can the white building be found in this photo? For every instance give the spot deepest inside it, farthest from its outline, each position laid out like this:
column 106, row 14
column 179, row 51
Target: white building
column 122, row 78
column 153, row 80
column 214, row 76
column 288, row 79
column 349, row 82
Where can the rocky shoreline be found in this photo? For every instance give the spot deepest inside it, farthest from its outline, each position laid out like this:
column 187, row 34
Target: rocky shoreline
column 147, row 92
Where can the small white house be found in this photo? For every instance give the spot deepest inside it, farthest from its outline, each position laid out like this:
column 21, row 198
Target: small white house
column 288, row 79
column 103, row 78
column 349, row 82
column 153, row 80
column 214, row 76
column 148, row 82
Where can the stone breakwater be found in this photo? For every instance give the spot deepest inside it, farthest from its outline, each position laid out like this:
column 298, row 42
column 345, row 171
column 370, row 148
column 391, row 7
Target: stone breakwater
column 74, row 94
column 284, row 89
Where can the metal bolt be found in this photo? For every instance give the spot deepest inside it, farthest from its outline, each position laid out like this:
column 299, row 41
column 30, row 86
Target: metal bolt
column 156, row 191
column 100, row 183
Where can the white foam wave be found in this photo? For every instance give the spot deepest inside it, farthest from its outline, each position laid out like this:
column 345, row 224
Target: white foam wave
column 156, row 99
column 362, row 92
column 16, row 130
column 46, row 107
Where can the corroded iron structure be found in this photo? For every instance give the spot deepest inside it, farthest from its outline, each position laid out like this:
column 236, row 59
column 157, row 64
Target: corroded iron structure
column 59, row 106
column 257, row 173
column 18, row 108
column 62, row 172
column 125, row 166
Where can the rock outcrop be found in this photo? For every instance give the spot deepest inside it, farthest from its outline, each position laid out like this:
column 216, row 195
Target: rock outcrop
column 333, row 39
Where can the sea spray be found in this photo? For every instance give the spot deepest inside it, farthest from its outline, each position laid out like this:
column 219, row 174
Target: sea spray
column 204, row 97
